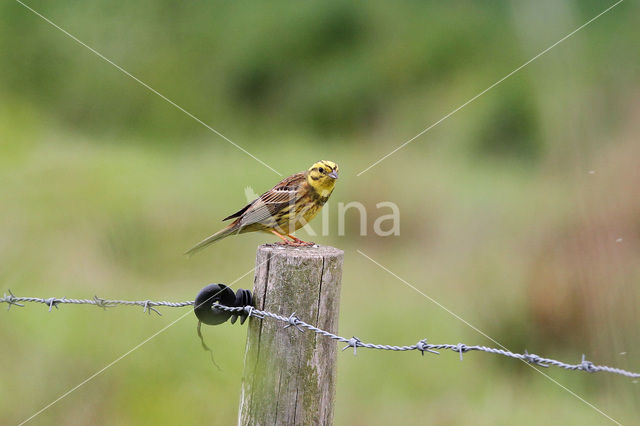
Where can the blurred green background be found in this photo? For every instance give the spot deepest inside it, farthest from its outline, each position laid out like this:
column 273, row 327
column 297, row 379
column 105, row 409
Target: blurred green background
column 521, row 212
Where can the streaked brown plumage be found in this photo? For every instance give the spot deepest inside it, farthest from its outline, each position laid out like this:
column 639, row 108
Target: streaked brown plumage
column 283, row 209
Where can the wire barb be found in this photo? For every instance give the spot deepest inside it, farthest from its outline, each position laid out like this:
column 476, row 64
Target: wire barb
column 11, row 300
column 462, row 348
column 355, row 343
column 52, row 302
column 534, row 359
column 102, row 303
column 587, row 365
column 423, row 347
column 251, row 312
column 293, row 321
column 148, row 308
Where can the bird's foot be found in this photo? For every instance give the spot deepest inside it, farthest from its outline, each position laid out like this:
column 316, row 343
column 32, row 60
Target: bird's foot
column 304, row 244
column 297, row 242
column 284, row 241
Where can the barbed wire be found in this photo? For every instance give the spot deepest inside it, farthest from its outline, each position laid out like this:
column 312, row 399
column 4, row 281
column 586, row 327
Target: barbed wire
column 353, row 342
column 53, row 302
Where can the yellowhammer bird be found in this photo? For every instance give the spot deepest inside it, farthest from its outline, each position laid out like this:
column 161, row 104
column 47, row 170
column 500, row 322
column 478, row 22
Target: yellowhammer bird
column 283, row 209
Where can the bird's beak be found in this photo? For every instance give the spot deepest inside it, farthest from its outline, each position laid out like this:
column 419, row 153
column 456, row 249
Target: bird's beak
column 333, row 174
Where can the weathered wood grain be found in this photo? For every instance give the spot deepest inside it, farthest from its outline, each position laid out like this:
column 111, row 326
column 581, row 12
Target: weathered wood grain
column 289, row 376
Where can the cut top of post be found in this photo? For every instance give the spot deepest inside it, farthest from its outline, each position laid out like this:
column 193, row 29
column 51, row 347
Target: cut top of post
column 317, row 250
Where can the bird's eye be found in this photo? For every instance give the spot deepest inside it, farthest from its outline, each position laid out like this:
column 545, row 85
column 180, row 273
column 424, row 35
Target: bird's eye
column 321, row 170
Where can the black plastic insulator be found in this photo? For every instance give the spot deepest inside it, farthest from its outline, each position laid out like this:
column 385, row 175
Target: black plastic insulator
column 243, row 298
column 206, row 310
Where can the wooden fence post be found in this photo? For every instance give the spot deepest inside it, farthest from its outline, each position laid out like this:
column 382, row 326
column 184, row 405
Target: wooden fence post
column 289, row 376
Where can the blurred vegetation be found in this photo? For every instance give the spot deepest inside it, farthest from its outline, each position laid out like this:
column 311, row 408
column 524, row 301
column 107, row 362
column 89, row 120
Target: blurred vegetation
column 520, row 212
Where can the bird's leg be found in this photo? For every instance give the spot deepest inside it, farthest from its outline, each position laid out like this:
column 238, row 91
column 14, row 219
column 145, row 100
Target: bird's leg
column 299, row 242
column 284, row 240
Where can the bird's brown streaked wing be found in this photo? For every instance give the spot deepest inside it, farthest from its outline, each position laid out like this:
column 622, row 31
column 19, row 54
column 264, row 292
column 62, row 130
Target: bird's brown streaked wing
column 239, row 212
column 286, row 184
column 262, row 211
column 282, row 195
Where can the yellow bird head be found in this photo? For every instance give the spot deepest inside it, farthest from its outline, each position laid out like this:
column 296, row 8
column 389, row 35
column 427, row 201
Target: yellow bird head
column 322, row 177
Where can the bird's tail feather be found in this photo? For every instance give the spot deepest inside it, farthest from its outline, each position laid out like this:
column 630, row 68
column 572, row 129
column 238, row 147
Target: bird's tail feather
column 212, row 239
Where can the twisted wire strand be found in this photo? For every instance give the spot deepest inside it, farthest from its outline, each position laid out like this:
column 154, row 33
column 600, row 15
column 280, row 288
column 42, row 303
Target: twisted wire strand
column 353, row 342
column 423, row 346
column 53, row 302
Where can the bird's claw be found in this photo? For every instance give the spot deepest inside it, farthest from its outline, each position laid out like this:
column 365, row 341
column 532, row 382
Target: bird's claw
column 298, row 243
